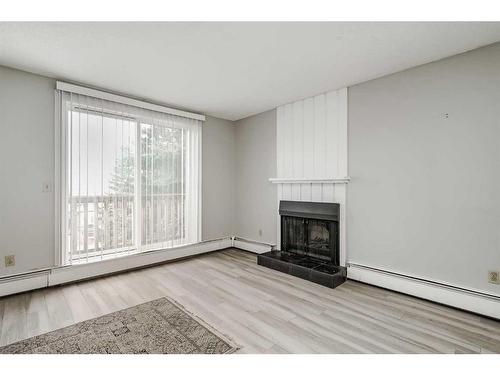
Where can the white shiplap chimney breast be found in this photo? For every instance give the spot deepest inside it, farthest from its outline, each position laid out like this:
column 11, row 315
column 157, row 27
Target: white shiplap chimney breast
column 312, row 153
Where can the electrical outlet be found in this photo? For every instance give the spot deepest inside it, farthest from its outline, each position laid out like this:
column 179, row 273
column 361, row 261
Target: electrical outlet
column 493, row 277
column 10, row 260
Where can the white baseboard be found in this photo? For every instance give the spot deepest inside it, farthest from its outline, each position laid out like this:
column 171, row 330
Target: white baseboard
column 474, row 301
column 252, row 246
column 60, row 275
column 23, row 283
column 477, row 302
column 84, row 271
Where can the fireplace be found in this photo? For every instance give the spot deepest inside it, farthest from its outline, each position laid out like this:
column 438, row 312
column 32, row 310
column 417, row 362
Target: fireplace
column 309, row 243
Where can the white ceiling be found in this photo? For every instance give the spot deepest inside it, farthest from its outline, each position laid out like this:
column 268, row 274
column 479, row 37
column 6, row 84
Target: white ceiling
column 231, row 70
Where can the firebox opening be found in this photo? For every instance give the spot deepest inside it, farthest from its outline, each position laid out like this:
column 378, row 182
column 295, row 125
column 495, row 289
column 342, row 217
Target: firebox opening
column 310, row 229
column 309, row 243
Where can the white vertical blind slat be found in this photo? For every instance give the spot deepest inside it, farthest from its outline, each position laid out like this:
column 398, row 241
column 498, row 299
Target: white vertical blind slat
column 86, row 221
column 115, row 197
column 183, row 179
column 172, row 228
column 164, row 189
column 137, row 186
column 189, row 178
column 70, row 158
column 79, row 173
column 152, row 184
column 103, row 222
column 121, row 190
column 176, row 183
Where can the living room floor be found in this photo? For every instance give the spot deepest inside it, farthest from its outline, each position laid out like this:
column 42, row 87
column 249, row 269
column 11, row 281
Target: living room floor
column 261, row 310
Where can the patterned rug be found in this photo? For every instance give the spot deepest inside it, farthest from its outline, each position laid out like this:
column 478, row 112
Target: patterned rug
column 161, row 326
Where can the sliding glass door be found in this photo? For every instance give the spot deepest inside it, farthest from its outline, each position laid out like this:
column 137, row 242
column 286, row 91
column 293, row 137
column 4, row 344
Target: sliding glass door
column 129, row 179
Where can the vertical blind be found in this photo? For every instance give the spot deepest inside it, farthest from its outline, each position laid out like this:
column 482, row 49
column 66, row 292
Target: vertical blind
column 128, row 178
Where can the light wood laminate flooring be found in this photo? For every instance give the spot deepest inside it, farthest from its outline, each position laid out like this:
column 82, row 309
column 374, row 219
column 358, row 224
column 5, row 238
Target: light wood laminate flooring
column 262, row 310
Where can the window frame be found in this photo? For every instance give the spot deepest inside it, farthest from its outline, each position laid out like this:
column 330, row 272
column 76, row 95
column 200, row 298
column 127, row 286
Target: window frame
column 62, row 182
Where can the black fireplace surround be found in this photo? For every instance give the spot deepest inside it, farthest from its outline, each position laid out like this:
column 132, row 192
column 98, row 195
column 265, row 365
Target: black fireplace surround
column 309, row 243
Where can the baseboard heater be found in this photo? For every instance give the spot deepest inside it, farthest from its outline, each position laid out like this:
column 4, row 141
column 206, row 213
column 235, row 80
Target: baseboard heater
column 251, row 245
column 23, row 282
column 463, row 298
column 13, row 284
column 26, row 281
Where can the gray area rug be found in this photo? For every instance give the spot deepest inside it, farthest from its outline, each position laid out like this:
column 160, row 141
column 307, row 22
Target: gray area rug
column 161, row 326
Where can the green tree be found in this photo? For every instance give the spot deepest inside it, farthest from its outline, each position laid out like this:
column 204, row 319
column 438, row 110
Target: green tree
column 161, row 162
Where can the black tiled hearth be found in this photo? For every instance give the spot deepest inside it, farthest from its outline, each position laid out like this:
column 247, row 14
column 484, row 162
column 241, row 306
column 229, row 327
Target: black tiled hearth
column 305, row 267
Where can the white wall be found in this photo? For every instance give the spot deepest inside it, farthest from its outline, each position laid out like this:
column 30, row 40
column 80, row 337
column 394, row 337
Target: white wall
column 424, row 199
column 255, row 206
column 27, row 161
column 218, row 162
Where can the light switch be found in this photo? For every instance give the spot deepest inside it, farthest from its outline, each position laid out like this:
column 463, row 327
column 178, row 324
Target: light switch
column 46, row 187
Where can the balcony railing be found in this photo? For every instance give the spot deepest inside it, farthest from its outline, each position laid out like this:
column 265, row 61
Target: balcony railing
column 101, row 225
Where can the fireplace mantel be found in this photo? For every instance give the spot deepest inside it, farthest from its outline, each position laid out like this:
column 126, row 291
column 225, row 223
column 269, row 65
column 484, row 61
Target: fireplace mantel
column 334, row 180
